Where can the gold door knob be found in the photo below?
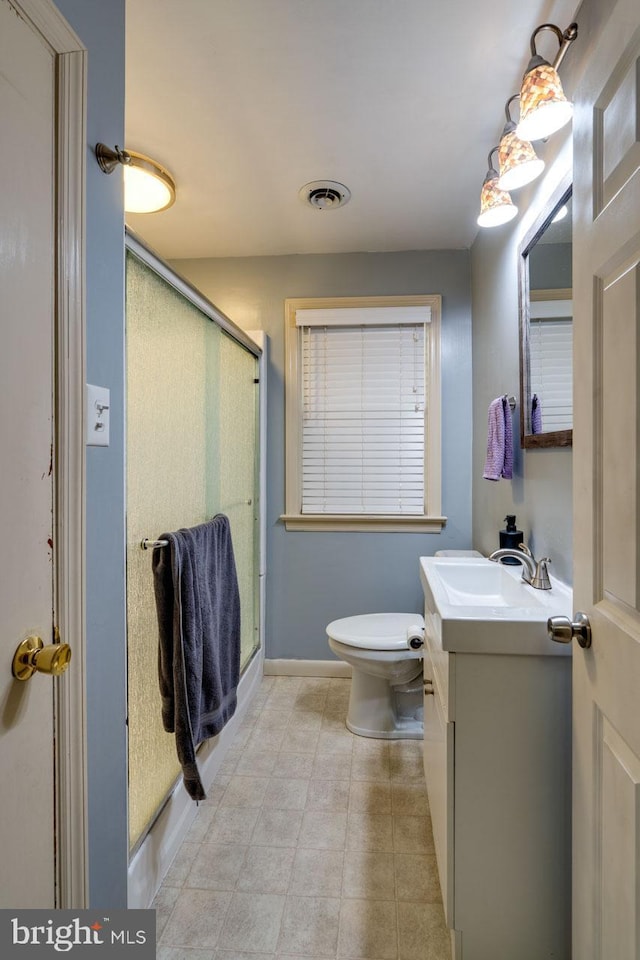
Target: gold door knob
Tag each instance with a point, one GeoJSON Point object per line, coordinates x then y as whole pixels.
{"type": "Point", "coordinates": [33, 656]}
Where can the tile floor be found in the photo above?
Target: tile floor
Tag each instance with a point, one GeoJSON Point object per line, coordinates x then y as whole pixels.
{"type": "Point", "coordinates": [312, 843]}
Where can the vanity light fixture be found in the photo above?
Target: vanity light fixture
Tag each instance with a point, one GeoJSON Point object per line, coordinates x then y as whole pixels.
{"type": "Point", "coordinates": [148, 186]}
{"type": "Point", "coordinates": [543, 105]}
{"type": "Point", "coordinates": [517, 158]}
{"type": "Point", "coordinates": [543, 110]}
{"type": "Point", "coordinates": [496, 206]}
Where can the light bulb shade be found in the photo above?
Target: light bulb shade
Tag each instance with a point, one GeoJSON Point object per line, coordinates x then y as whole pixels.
{"type": "Point", "coordinates": [518, 162]}
{"type": "Point", "coordinates": [148, 186]}
{"type": "Point", "coordinates": [543, 105]}
{"type": "Point", "coordinates": [496, 206]}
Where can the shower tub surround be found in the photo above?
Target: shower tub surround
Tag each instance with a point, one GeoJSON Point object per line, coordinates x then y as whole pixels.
{"type": "Point", "coordinates": [313, 842]}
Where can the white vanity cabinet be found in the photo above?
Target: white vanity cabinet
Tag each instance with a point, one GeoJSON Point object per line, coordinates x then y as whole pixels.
{"type": "Point", "coordinates": [497, 755]}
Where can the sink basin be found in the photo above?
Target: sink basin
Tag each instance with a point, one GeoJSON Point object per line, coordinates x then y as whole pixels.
{"type": "Point", "coordinates": [475, 604]}
{"type": "Point", "coordinates": [483, 583]}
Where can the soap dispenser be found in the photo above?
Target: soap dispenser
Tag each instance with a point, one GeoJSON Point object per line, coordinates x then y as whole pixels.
{"type": "Point", "coordinates": [510, 538]}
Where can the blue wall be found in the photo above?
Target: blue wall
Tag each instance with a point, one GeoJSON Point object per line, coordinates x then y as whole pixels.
{"type": "Point", "coordinates": [100, 26]}
{"type": "Point", "coordinates": [315, 577]}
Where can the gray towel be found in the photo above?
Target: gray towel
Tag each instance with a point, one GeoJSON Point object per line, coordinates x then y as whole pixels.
{"type": "Point", "coordinates": [198, 606]}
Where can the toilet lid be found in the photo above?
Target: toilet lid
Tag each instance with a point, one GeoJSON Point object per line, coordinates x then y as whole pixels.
{"type": "Point", "coordinates": [375, 631]}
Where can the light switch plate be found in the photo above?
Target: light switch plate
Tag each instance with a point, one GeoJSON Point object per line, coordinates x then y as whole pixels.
{"type": "Point", "coordinates": [97, 415]}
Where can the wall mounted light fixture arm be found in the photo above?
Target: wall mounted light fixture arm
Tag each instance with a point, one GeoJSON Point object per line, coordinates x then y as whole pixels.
{"type": "Point", "coordinates": [507, 111]}
{"type": "Point", "coordinates": [568, 37]}
{"type": "Point", "coordinates": [109, 159]}
{"type": "Point", "coordinates": [564, 39]}
{"type": "Point", "coordinates": [491, 170]}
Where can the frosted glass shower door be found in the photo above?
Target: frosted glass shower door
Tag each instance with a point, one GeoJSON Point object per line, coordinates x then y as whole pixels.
{"type": "Point", "coordinates": [233, 473]}
{"type": "Point", "coordinates": [192, 452]}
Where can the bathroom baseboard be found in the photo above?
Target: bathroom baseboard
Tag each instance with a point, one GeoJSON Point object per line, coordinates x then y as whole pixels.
{"type": "Point", "coordinates": [151, 861]}
{"type": "Point", "coordinates": [306, 668]}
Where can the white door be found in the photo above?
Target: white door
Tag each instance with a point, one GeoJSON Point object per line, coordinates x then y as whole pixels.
{"type": "Point", "coordinates": [36, 545]}
{"type": "Point", "coordinates": [606, 677]}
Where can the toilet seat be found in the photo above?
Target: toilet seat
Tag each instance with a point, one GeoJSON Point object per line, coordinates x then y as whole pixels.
{"type": "Point", "coordinates": [374, 631]}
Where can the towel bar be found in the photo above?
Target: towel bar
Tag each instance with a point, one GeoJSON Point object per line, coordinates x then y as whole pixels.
{"type": "Point", "coordinates": [147, 544]}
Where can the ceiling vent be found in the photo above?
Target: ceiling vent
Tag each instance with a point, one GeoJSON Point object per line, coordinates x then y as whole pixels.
{"type": "Point", "coordinates": [325, 194]}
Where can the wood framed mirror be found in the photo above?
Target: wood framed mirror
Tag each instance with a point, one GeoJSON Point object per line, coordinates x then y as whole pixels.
{"type": "Point", "coordinates": [546, 317]}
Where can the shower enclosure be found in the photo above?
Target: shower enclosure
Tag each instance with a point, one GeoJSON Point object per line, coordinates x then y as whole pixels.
{"type": "Point", "coordinates": [192, 452]}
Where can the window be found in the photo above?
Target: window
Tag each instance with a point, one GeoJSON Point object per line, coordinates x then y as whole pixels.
{"type": "Point", "coordinates": [363, 414]}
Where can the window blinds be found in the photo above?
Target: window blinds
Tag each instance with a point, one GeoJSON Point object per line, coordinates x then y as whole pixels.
{"type": "Point", "coordinates": [363, 422]}
{"type": "Point", "coordinates": [550, 373]}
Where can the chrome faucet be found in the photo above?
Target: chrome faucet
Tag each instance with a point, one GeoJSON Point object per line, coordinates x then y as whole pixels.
{"type": "Point", "coordinates": [534, 572]}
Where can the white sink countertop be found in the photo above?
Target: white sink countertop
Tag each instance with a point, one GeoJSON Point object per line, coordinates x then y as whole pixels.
{"type": "Point", "coordinates": [475, 605]}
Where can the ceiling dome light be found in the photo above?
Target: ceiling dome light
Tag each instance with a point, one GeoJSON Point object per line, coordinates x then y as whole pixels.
{"type": "Point", "coordinates": [496, 206]}
{"type": "Point", "coordinates": [516, 158]}
{"type": "Point", "coordinates": [543, 105]}
{"type": "Point", "coordinates": [148, 186]}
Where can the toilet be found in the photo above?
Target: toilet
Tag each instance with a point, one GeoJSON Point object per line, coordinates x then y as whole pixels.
{"type": "Point", "coordinates": [386, 699]}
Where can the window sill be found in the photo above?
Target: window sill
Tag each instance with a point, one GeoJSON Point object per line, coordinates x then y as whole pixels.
{"type": "Point", "coordinates": [363, 524]}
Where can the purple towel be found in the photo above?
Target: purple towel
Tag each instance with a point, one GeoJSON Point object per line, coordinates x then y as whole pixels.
{"type": "Point", "coordinates": [499, 462]}
{"type": "Point", "coordinates": [536, 414]}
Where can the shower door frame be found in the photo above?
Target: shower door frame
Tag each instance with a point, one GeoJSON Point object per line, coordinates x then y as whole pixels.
{"type": "Point", "coordinates": [134, 244]}
{"type": "Point", "coordinates": [152, 856]}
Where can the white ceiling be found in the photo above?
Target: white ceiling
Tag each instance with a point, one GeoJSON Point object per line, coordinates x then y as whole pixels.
{"type": "Point", "coordinates": [247, 100]}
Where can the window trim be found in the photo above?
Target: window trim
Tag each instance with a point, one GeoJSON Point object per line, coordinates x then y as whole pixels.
{"type": "Point", "coordinates": [431, 520]}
